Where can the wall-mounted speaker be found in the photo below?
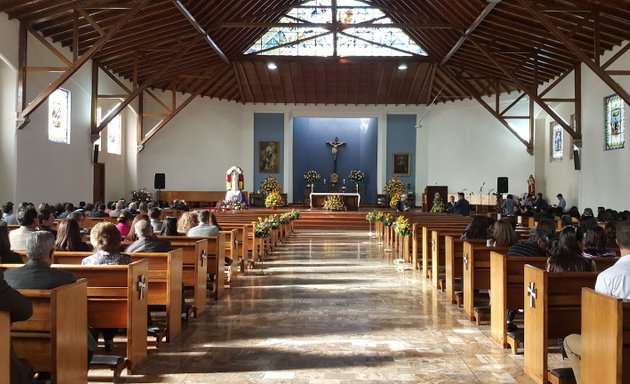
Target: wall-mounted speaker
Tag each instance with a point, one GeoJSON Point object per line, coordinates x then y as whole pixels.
{"type": "Point", "coordinates": [502, 185]}
{"type": "Point", "coordinates": [576, 160]}
{"type": "Point", "coordinates": [159, 181]}
{"type": "Point", "coordinates": [95, 156]}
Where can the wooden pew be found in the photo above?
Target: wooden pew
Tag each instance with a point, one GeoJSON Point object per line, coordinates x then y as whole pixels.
{"type": "Point", "coordinates": [438, 253]}
{"type": "Point", "coordinates": [164, 282]}
{"type": "Point", "coordinates": [194, 267]}
{"type": "Point", "coordinates": [231, 251]}
{"type": "Point", "coordinates": [454, 263]}
{"type": "Point", "coordinates": [476, 273]}
{"type": "Point", "coordinates": [552, 310]}
{"type": "Point", "coordinates": [605, 344]}
{"type": "Point", "coordinates": [216, 261]}
{"type": "Point", "coordinates": [5, 347]}
{"type": "Point", "coordinates": [54, 339]}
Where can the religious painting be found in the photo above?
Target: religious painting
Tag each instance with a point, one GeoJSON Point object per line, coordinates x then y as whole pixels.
{"type": "Point", "coordinates": [401, 164]}
{"type": "Point", "coordinates": [59, 116]}
{"type": "Point", "coordinates": [614, 131]}
{"type": "Point", "coordinates": [557, 141]}
{"type": "Point", "coordinates": [269, 157]}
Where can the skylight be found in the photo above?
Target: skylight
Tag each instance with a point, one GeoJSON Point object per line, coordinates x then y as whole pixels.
{"type": "Point", "coordinates": [356, 29]}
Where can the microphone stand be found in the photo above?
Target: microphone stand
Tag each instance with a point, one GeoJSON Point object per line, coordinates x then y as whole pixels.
{"type": "Point", "coordinates": [481, 195]}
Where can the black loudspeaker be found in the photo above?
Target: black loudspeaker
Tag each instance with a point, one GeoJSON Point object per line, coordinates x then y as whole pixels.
{"type": "Point", "coordinates": [96, 150]}
{"type": "Point", "coordinates": [502, 185]}
{"type": "Point", "coordinates": [159, 182]}
{"type": "Point", "coordinates": [576, 160]}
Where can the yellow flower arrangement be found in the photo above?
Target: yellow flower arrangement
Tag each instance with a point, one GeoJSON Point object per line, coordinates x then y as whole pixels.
{"type": "Point", "coordinates": [273, 200]}
{"type": "Point", "coordinates": [334, 203]}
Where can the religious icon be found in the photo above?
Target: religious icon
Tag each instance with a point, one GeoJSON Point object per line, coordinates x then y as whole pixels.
{"type": "Point", "coordinates": [557, 141]}
{"type": "Point", "coordinates": [615, 121]}
{"type": "Point", "coordinates": [531, 185]}
{"type": "Point", "coordinates": [335, 144]}
{"type": "Point", "coordinates": [269, 157]}
{"type": "Point", "coordinates": [401, 164]}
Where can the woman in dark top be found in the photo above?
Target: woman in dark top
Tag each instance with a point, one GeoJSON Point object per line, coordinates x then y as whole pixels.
{"type": "Point", "coordinates": [504, 234]}
{"type": "Point", "coordinates": [477, 229]}
{"type": "Point", "coordinates": [169, 227]}
{"type": "Point", "coordinates": [69, 237]}
{"type": "Point", "coordinates": [7, 256]}
{"type": "Point", "coordinates": [595, 244]}
{"type": "Point", "coordinates": [213, 221]}
{"type": "Point", "coordinates": [567, 255]}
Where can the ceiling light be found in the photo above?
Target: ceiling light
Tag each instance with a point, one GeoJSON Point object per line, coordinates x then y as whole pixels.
{"type": "Point", "coordinates": [272, 66]}
{"type": "Point", "coordinates": [402, 66]}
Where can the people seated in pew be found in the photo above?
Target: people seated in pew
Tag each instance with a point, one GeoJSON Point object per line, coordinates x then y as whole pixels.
{"type": "Point", "coordinates": [451, 204]}
{"type": "Point", "coordinates": [69, 237]}
{"type": "Point", "coordinates": [46, 220]}
{"type": "Point", "coordinates": [124, 223]}
{"type": "Point", "coordinates": [106, 239]}
{"type": "Point", "coordinates": [204, 228]}
{"type": "Point", "coordinates": [118, 209]}
{"type": "Point", "coordinates": [100, 211]}
{"type": "Point", "coordinates": [186, 221]}
{"type": "Point", "coordinates": [179, 205]}
{"type": "Point", "coordinates": [401, 204]}
{"type": "Point", "coordinates": [461, 206]}
{"type": "Point", "coordinates": [27, 218]}
{"type": "Point", "coordinates": [587, 221]}
{"type": "Point", "coordinates": [132, 208]}
{"type": "Point", "coordinates": [507, 206]}
{"type": "Point", "coordinates": [566, 256]}
{"type": "Point", "coordinates": [7, 214]}
{"type": "Point", "coordinates": [79, 216]}
{"type": "Point", "coordinates": [131, 236]}
{"type": "Point", "coordinates": [154, 215]}
{"type": "Point", "coordinates": [503, 233]}
{"type": "Point", "coordinates": [169, 227]}
{"type": "Point", "coordinates": [540, 204]}
{"type": "Point", "coordinates": [143, 209]}
{"type": "Point", "coordinates": [7, 256]}
{"type": "Point", "coordinates": [611, 237]}
{"type": "Point", "coordinates": [19, 309]}
{"type": "Point", "coordinates": [536, 245]}
{"type": "Point", "coordinates": [37, 274]}
{"type": "Point", "coordinates": [147, 241]}
{"type": "Point", "coordinates": [614, 281]}
{"type": "Point", "coordinates": [68, 208]}
{"type": "Point", "coordinates": [594, 244]}
{"type": "Point", "coordinates": [574, 213]}
{"type": "Point", "coordinates": [477, 229]}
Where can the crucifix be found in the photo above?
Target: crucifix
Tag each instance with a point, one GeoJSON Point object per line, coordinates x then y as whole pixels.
{"type": "Point", "coordinates": [204, 257]}
{"type": "Point", "coordinates": [335, 147]}
{"type": "Point", "coordinates": [531, 292]}
{"type": "Point", "coordinates": [466, 261]}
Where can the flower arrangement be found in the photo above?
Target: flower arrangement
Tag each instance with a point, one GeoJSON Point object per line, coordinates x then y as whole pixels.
{"type": "Point", "coordinates": [334, 203]}
{"type": "Point", "coordinates": [373, 216]}
{"type": "Point", "coordinates": [402, 227]}
{"type": "Point", "coordinates": [285, 218]}
{"type": "Point", "coordinates": [356, 176]}
{"type": "Point", "coordinates": [394, 188]}
{"type": "Point", "coordinates": [229, 181]}
{"type": "Point", "coordinates": [273, 221]}
{"type": "Point", "coordinates": [141, 196]}
{"type": "Point", "coordinates": [262, 228]}
{"type": "Point", "coordinates": [294, 214]}
{"type": "Point", "coordinates": [228, 204]}
{"type": "Point", "coordinates": [312, 176]}
{"type": "Point", "coordinates": [387, 219]}
{"type": "Point", "coordinates": [270, 184]}
{"type": "Point", "coordinates": [438, 204]}
{"type": "Point", "coordinates": [273, 200]}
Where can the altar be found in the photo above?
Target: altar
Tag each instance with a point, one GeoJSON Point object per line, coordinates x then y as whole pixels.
{"type": "Point", "coordinates": [352, 201]}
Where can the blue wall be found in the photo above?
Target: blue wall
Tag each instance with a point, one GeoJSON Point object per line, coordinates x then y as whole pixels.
{"type": "Point", "coordinates": [268, 127]}
{"type": "Point", "coordinates": [401, 138]}
{"type": "Point", "coordinates": [310, 151]}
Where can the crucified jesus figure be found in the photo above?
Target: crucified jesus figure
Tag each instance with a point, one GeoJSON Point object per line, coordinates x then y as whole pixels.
{"type": "Point", "coordinates": [335, 144]}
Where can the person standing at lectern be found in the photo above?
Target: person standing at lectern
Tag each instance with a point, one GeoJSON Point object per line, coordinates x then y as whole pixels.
{"type": "Point", "coordinates": [461, 206]}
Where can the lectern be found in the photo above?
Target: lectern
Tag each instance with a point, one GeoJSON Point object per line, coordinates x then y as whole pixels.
{"type": "Point", "coordinates": [429, 192]}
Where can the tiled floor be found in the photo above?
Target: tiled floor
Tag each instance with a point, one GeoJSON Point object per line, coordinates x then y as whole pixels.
{"type": "Point", "coordinates": [331, 308]}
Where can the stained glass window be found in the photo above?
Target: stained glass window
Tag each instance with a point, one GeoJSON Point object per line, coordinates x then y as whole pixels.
{"type": "Point", "coordinates": [114, 136]}
{"type": "Point", "coordinates": [557, 142]}
{"type": "Point", "coordinates": [100, 134]}
{"type": "Point", "coordinates": [356, 27]}
{"type": "Point", "coordinates": [59, 116]}
{"type": "Point", "coordinates": [614, 123]}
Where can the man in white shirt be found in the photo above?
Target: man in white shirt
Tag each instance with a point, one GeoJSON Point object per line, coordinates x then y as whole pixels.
{"type": "Point", "coordinates": [29, 222]}
{"type": "Point", "coordinates": [615, 281]}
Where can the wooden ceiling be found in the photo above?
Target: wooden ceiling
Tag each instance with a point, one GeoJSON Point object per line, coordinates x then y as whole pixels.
{"type": "Point", "coordinates": [474, 47]}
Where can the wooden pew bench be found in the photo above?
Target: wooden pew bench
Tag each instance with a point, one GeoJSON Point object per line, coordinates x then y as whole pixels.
{"type": "Point", "coordinates": [605, 344]}
{"type": "Point", "coordinates": [54, 339]}
{"type": "Point", "coordinates": [215, 261]}
{"type": "Point", "coordinates": [476, 275]}
{"type": "Point", "coordinates": [5, 347]}
{"type": "Point", "coordinates": [164, 282]}
{"type": "Point", "coordinates": [454, 265]}
{"type": "Point", "coordinates": [438, 255]}
{"type": "Point", "coordinates": [552, 310]}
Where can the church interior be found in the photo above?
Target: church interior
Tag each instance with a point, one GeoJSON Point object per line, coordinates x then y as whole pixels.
{"type": "Point", "coordinates": [100, 99]}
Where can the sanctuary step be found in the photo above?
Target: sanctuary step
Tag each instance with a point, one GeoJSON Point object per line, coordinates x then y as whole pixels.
{"type": "Point", "coordinates": [332, 220]}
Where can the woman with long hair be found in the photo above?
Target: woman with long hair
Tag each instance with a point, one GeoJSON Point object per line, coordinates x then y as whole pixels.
{"type": "Point", "coordinates": [595, 244]}
{"type": "Point", "coordinates": [477, 229]}
{"type": "Point", "coordinates": [187, 221]}
{"type": "Point", "coordinates": [124, 223]}
{"type": "Point", "coordinates": [567, 255]}
{"type": "Point", "coordinates": [69, 237]}
{"type": "Point", "coordinates": [169, 227]}
{"type": "Point", "coordinates": [504, 233]}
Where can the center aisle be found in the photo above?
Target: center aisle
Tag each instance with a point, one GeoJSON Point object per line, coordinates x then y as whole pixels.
{"type": "Point", "coordinates": [331, 308]}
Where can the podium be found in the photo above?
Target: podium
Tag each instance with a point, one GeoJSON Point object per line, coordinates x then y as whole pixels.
{"type": "Point", "coordinates": [429, 192]}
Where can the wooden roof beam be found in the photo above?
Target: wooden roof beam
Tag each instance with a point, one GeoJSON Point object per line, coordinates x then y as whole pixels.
{"type": "Point", "coordinates": [191, 19]}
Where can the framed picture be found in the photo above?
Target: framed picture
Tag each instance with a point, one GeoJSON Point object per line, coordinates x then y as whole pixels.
{"type": "Point", "coordinates": [401, 164]}
{"type": "Point", "coordinates": [269, 157]}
